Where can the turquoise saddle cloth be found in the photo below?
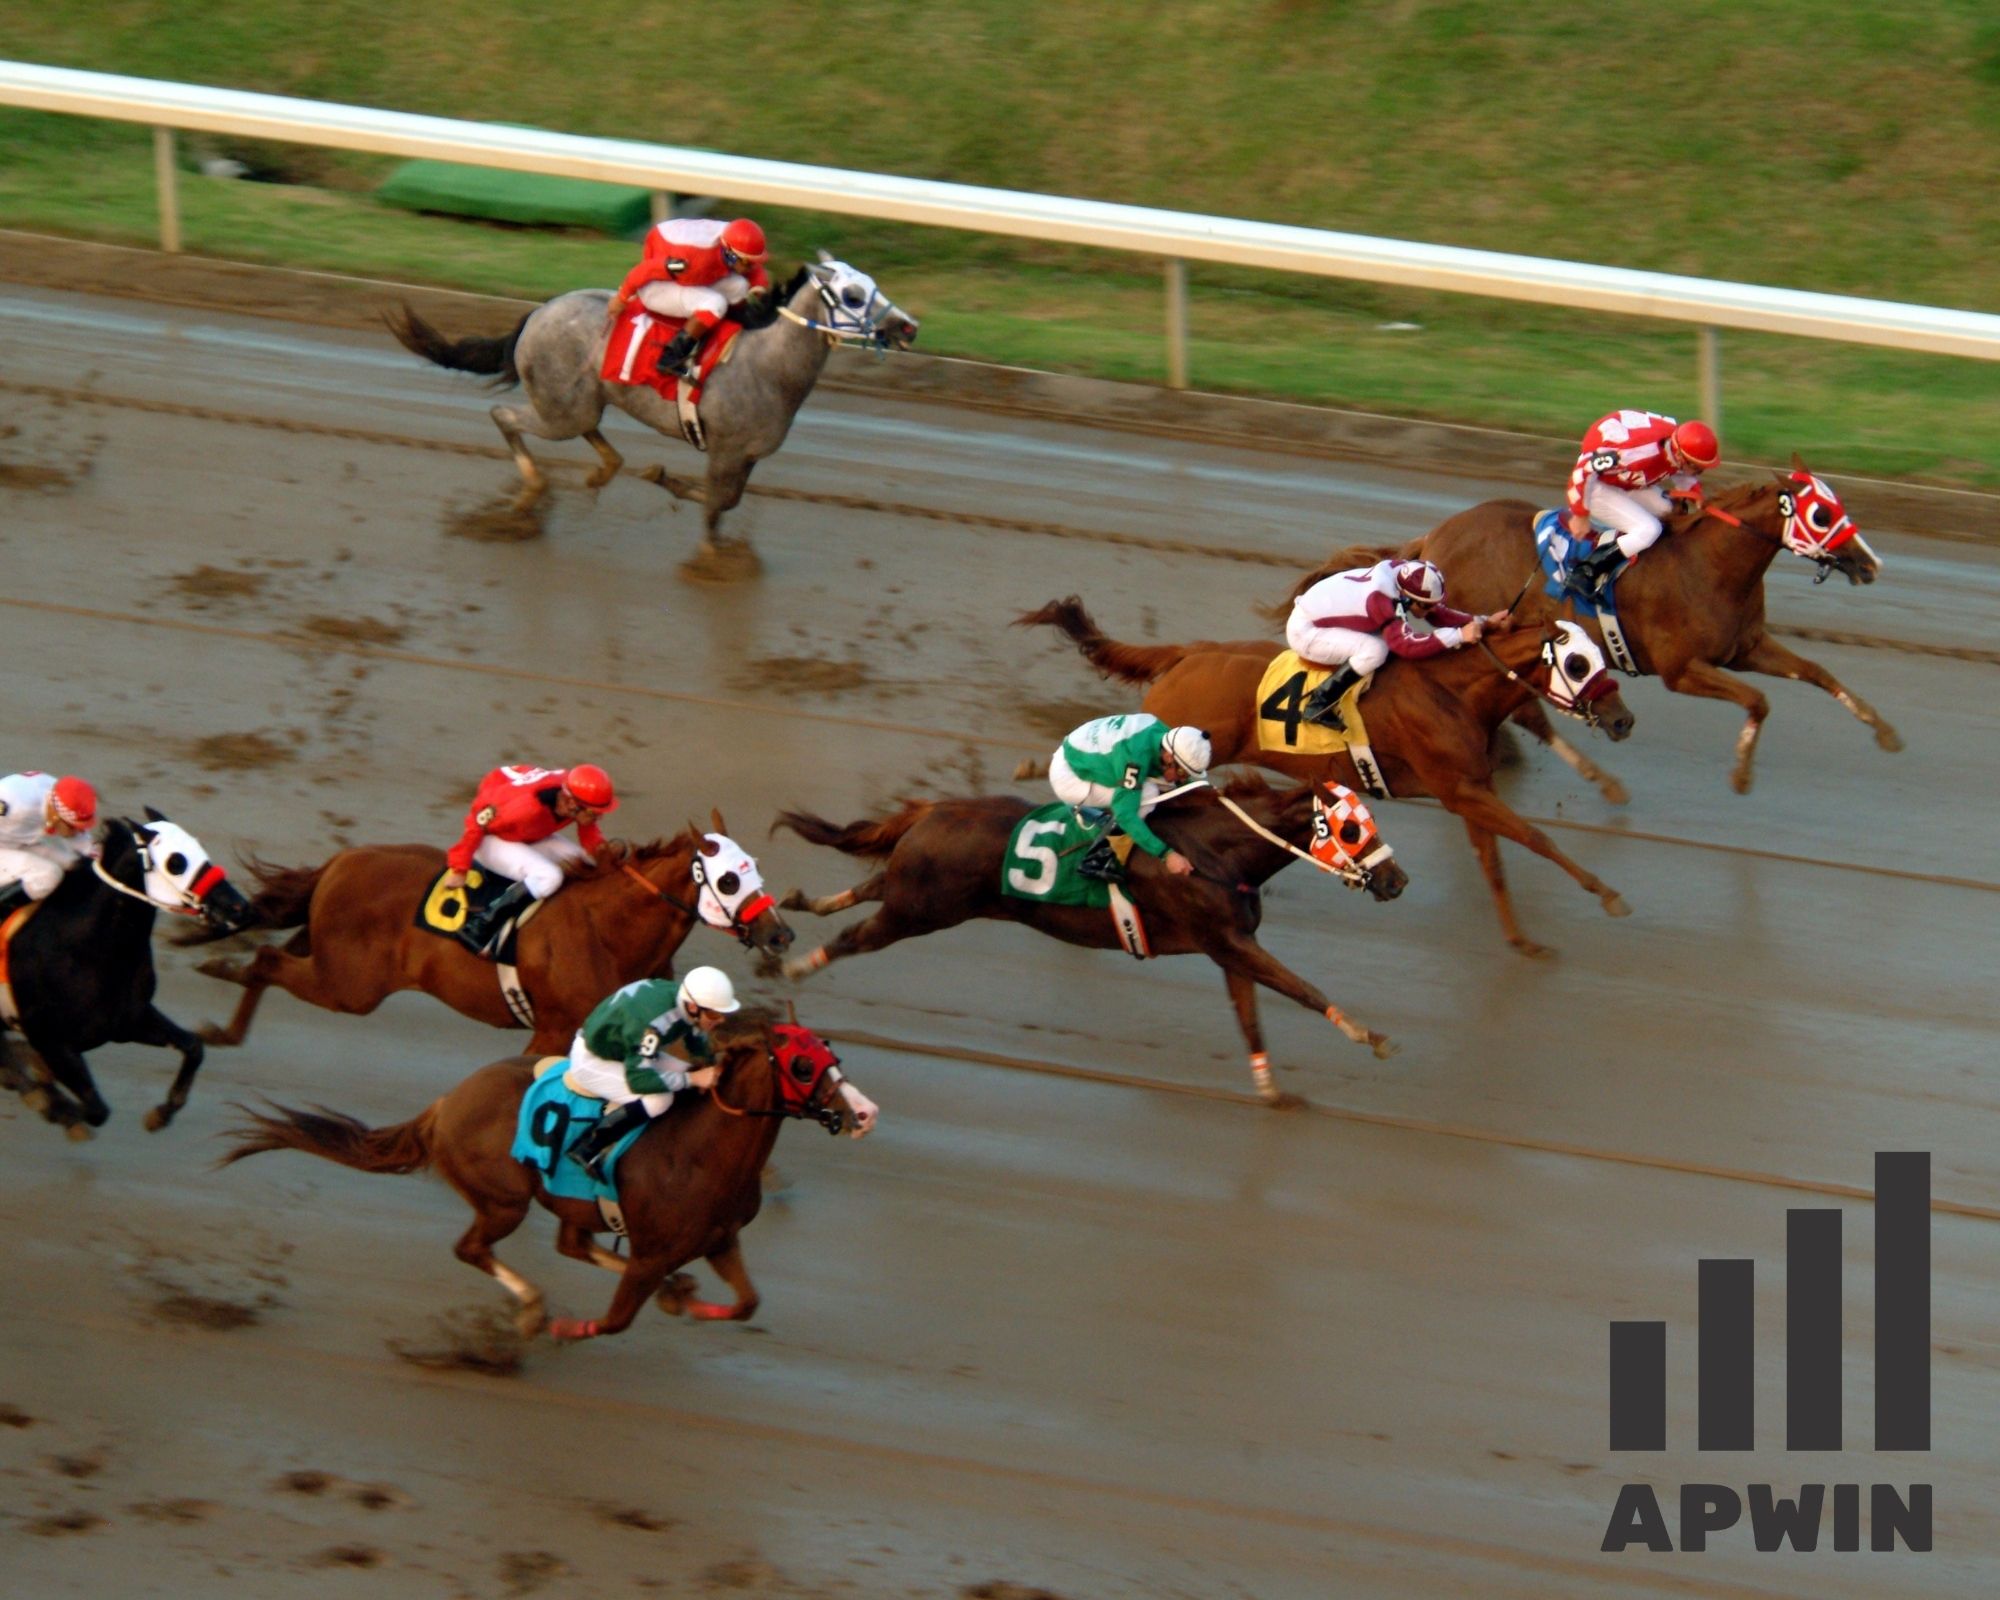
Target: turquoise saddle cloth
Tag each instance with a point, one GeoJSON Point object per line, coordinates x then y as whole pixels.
{"type": "Point", "coordinates": [553, 1117]}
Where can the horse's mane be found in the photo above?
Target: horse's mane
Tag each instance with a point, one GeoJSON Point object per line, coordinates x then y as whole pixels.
{"type": "Point", "coordinates": [755, 314]}
{"type": "Point", "coordinates": [626, 853]}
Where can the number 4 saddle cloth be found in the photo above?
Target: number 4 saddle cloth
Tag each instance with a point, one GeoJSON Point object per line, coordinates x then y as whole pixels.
{"type": "Point", "coordinates": [1282, 726]}
{"type": "Point", "coordinates": [553, 1117]}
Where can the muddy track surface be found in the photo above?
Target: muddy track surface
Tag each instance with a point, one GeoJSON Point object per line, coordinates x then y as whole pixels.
{"type": "Point", "coordinates": [1081, 1319]}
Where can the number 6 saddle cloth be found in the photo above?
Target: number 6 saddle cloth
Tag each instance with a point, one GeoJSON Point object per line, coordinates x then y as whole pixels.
{"type": "Point", "coordinates": [1282, 725]}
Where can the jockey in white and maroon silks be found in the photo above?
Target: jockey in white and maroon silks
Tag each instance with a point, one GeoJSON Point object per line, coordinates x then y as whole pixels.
{"type": "Point", "coordinates": [1630, 465]}
{"type": "Point", "coordinates": [514, 828]}
{"type": "Point", "coordinates": [697, 268]}
{"type": "Point", "coordinates": [1355, 620]}
{"type": "Point", "coordinates": [45, 827]}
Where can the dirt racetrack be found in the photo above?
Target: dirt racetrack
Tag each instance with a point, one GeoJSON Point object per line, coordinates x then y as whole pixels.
{"type": "Point", "coordinates": [1079, 1319]}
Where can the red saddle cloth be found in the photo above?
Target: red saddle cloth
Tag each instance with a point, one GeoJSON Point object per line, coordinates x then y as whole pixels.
{"type": "Point", "coordinates": [632, 354]}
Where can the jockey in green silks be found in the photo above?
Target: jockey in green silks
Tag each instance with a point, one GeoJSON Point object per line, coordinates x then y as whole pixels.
{"type": "Point", "coordinates": [1125, 763]}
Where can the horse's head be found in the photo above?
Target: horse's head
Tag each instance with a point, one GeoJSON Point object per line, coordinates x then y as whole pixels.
{"type": "Point", "coordinates": [730, 894]}
{"type": "Point", "coordinates": [1345, 838]}
{"type": "Point", "coordinates": [176, 874]}
{"type": "Point", "coordinates": [1578, 683]}
{"type": "Point", "coordinates": [1816, 525]}
{"type": "Point", "coordinates": [786, 1070]}
{"type": "Point", "coordinates": [857, 309]}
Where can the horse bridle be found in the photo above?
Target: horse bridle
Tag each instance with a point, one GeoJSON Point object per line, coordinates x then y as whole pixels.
{"type": "Point", "coordinates": [1584, 711]}
{"type": "Point", "coordinates": [737, 925]}
{"type": "Point", "coordinates": [862, 328]}
{"type": "Point", "coordinates": [191, 903]}
{"type": "Point", "coordinates": [824, 1107]}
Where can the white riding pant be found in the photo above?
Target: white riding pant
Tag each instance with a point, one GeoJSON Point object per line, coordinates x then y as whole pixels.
{"type": "Point", "coordinates": [1074, 791]}
{"type": "Point", "coordinates": [591, 1074]}
{"type": "Point", "coordinates": [685, 299]}
{"type": "Point", "coordinates": [1635, 513]}
{"type": "Point", "coordinates": [538, 865]}
{"type": "Point", "coordinates": [1335, 647]}
{"type": "Point", "coordinates": [39, 871]}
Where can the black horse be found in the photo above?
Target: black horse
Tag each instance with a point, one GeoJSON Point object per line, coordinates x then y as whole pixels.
{"type": "Point", "coordinates": [81, 967]}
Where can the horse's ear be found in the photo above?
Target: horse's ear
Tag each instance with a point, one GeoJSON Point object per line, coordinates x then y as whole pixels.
{"type": "Point", "coordinates": [702, 842]}
{"type": "Point", "coordinates": [715, 816]}
{"type": "Point", "coordinates": [792, 1011]}
{"type": "Point", "coordinates": [1800, 466]}
{"type": "Point", "coordinates": [825, 257]}
{"type": "Point", "coordinates": [155, 816]}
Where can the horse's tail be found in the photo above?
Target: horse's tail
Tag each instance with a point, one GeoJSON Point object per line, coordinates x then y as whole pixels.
{"type": "Point", "coordinates": [401, 1147]}
{"type": "Point", "coordinates": [1355, 555]}
{"type": "Point", "coordinates": [493, 358]}
{"type": "Point", "coordinates": [1133, 663]}
{"type": "Point", "coordinates": [283, 900]}
{"type": "Point", "coordinates": [857, 838]}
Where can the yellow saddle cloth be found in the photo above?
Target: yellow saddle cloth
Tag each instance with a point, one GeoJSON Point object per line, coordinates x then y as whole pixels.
{"type": "Point", "coordinates": [1281, 721]}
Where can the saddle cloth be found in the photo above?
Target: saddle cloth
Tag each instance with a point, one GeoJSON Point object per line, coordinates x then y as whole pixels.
{"type": "Point", "coordinates": [632, 354]}
{"type": "Point", "coordinates": [1282, 725]}
{"type": "Point", "coordinates": [1558, 551]}
{"type": "Point", "coordinates": [553, 1117]}
{"type": "Point", "coordinates": [9, 1012]}
{"type": "Point", "coordinates": [444, 911]}
{"type": "Point", "coordinates": [1044, 853]}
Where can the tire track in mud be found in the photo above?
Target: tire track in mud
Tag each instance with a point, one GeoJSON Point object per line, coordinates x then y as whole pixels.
{"type": "Point", "coordinates": [954, 738]}
{"type": "Point", "coordinates": [689, 489]}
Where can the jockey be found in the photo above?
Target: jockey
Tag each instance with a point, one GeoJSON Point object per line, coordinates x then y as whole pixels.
{"type": "Point", "coordinates": [697, 268]}
{"type": "Point", "coordinates": [1631, 465]}
{"type": "Point", "coordinates": [514, 829]}
{"type": "Point", "coordinates": [616, 1056]}
{"type": "Point", "coordinates": [1124, 762]}
{"type": "Point", "coordinates": [45, 827]}
{"type": "Point", "coordinates": [1355, 620]}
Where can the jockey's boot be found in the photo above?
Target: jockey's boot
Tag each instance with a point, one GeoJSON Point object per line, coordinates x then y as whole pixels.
{"type": "Point", "coordinates": [589, 1151]}
{"type": "Point", "coordinates": [12, 897]}
{"type": "Point", "coordinates": [678, 356]}
{"type": "Point", "coordinates": [482, 925]}
{"type": "Point", "coordinates": [1322, 706]}
{"type": "Point", "coordinates": [1590, 573]}
{"type": "Point", "coordinates": [1103, 861]}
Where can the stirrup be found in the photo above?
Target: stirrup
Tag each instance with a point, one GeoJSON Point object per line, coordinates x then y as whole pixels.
{"type": "Point", "coordinates": [1100, 862]}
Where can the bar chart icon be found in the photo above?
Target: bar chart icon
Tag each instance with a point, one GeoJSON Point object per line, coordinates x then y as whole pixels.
{"type": "Point", "coordinates": [1726, 1333]}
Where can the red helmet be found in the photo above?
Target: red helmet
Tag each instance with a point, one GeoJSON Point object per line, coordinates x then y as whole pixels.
{"type": "Point", "coordinates": [1695, 444]}
{"type": "Point", "coordinates": [1419, 580]}
{"type": "Point", "coordinates": [74, 801]}
{"type": "Point", "coordinates": [744, 238]}
{"type": "Point", "coordinates": [590, 786]}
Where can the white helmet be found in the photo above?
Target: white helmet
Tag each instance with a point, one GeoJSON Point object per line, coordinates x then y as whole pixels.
{"type": "Point", "coordinates": [1189, 747]}
{"type": "Point", "coordinates": [709, 988]}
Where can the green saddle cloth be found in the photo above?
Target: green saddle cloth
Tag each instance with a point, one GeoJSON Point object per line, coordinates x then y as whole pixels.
{"type": "Point", "coordinates": [1043, 854]}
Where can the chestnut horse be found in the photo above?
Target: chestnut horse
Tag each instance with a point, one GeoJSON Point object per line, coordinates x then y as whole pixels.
{"type": "Point", "coordinates": [1690, 607]}
{"type": "Point", "coordinates": [358, 940]}
{"type": "Point", "coordinates": [945, 859]}
{"type": "Point", "coordinates": [688, 1186]}
{"type": "Point", "coordinates": [1430, 723]}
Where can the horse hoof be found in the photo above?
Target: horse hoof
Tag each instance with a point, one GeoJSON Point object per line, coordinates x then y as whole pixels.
{"type": "Point", "coordinates": [1615, 792]}
{"type": "Point", "coordinates": [1285, 1100]}
{"type": "Point", "coordinates": [79, 1133]}
{"type": "Point", "coordinates": [218, 967]}
{"type": "Point", "coordinates": [38, 1101]}
{"type": "Point", "coordinates": [795, 901]}
{"type": "Point", "coordinates": [1887, 738]}
{"type": "Point", "coordinates": [157, 1118]}
{"type": "Point", "coordinates": [1536, 952]}
{"type": "Point", "coordinates": [1385, 1046]}
{"type": "Point", "coordinates": [530, 1320]}
{"type": "Point", "coordinates": [722, 562]}
{"type": "Point", "coordinates": [1739, 780]}
{"type": "Point", "coordinates": [1615, 906]}
{"type": "Point", "coordinates": [709, 1311]}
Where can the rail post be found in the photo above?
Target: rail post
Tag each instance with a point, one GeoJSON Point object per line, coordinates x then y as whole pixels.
{"type": "Point", "coordinates": [166, 179]}
{"type": "Point", "coordinates": [1710, 373]}
{"type": "Point", "coordinates": [1177, 362]}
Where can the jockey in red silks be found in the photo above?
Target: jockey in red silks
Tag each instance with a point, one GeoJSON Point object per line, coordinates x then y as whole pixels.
{"type": "Point", "coordinates": [514, 829]}
{"type": "Point", "coordinates": [45, 825]}
{"type": "Point", "coordinates": [1631, 465]}
{"type": "Point", "coordinates": [1356, 620]}
{"type": "Point", "coordinates": [697, 268]}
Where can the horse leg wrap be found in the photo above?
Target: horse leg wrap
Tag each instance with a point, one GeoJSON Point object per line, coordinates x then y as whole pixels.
{"type": "Point", "coordinates": [1335, 1015]}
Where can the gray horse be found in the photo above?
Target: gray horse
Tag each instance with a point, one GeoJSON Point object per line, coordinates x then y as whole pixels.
{"type": "Point", "coordinates": [747, 406]}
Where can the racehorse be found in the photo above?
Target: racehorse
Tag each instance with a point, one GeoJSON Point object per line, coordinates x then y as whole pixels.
{"type": "Point", "coordinates": [82, 965]}
{"type": "Point", "coordinates": [945, 859]}
{"type": "Point", "coordinates": [557, 352]}
{"type": "Point", "coordinates": [358, 940]}
{"type": "Point", "coordinates": [688, 1186]}
{"type": "Point", "coordinates": [1430, 723]}
{"type": "Point", "coordinates": [1692, 605]}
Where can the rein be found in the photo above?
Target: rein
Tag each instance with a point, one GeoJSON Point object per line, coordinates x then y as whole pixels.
{"type": "Point", "coordinates": [833, 334]}
{"type": "Point", "coordinates": [715, 1094]}
{"type": "Point", "coordinates": [140, 895]}
{"type": "Point", "coordinates": [1529, 684]}
{"type": "Point", "coordinates": [1269, 837]}
{"type": "Point", "coordinates": [741, 930]}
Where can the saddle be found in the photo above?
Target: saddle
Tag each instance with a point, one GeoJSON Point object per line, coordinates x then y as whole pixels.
{"type": "Point", "coordinates": [1282, 724]}
{"type": "Point", "coordinates": [1043, 861]}
{"type": "Point", "coordinates": [1559, 551]}
{"type": "Point", "coordinates": [632, 353]}
{"type": "Point", "coordinates": [9, 1011]}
